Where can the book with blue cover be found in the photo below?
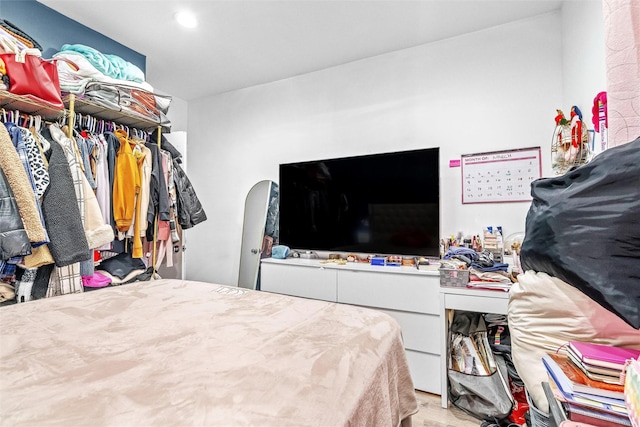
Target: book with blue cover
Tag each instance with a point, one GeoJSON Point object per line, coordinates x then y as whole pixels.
{"type": "Point", "coordinates": [584, 407]}
{"type": "Point", "coordinates": [571, 380]}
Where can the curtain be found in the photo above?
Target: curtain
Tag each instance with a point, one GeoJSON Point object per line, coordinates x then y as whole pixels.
{"type": "Point", "coordinates": [622, 52]}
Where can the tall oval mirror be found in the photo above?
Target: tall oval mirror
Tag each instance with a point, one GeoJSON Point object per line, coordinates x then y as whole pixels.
{"type": "Point", "coordinates": [259, 231]}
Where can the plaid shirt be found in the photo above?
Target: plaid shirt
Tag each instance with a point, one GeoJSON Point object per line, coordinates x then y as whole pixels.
{"type": "Point", "coordinates": [65, 280]}
{"type": "Point", "coordinates": [8, 269]}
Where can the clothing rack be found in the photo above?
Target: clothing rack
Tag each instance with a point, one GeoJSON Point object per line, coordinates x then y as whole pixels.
{"type": "Point", "coordinates": [24, 106]}
{"type": "Point", "coordinates": [101, 113]}
{"type": "Point", "coordinates": [19, 118]}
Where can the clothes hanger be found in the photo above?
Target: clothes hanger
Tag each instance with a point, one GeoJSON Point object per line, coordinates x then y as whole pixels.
{"type": "Point", "coordinates": [62, 120]}
{"type": "Point", "coordinates": [78, 121]}
{"type": "Point", "coordinates": [86, 125]}
{"type": "Point", "coordinates": [37, 123]}
{"type": "Point", "coordinates": [139, 134]}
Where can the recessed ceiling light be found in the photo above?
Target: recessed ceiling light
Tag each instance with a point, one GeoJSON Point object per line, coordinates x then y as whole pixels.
{"type": "Point", "coordinates": [186, 19]}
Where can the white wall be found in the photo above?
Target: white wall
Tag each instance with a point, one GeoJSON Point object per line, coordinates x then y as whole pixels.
{"type": "Point", "coordinates": [178, 114]}
{"type": "Point", "coordinates": [583, 60]}
{"type": "Point", "coordinates": [491, 90]}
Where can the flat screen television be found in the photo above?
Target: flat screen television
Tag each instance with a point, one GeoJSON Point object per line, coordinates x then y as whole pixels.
{"type": "Point", "coordinates": [385, 204]}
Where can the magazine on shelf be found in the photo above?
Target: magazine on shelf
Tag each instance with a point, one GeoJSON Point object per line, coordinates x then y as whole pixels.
{"type": "Point", "coordinates": [472, 354]}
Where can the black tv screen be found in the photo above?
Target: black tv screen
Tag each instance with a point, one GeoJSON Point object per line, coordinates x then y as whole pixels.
{"type": "Point", "coordinates": [385, 204]}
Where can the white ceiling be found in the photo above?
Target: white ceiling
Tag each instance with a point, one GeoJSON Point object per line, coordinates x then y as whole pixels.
{"type": "Point", "coordinates": [242, 43]}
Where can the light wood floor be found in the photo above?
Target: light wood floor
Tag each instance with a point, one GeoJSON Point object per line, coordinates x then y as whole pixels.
{"type": "Point", "coordinates": [432, 414]}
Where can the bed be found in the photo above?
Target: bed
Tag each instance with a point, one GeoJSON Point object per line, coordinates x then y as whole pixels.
{"type": "Point", "coordinates": [187, 353]}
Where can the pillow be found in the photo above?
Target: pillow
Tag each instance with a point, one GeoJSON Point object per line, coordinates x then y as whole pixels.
{"type": "Point", "coordinates": [546, 313]}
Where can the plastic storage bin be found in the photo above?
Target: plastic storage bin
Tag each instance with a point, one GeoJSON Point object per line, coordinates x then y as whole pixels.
{"type": "Point", "coordinates": [538, 418]}
{"type": "Point", "coordinates": [454, 277]}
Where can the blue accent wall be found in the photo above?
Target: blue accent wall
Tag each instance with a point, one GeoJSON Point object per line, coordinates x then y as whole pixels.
{"type": "Point", "coordinates": [52, 29]}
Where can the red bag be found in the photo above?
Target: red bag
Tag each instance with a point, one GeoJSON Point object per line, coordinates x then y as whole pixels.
{"type": "Point", "coordinates": [33, 77]}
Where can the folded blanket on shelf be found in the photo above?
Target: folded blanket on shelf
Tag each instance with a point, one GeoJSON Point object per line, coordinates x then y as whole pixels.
{"type": "Point", "coordinates": [79, 75]}
{"type": "Point", "coordinates": [108, 64]}
{"type": "Point", "coordinates": [75, 71]}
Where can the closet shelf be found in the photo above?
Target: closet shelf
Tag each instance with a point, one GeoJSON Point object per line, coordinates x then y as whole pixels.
{"type": "Point", "coordinates": [26, 105]}
{"type": "Point", "coordinates": [84, 106]}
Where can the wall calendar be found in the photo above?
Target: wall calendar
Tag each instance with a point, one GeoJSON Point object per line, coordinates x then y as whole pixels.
{"type": "Point", "coordinates": [500, 176]}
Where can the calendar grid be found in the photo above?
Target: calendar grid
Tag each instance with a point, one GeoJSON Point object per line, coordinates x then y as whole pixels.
{"type": "Point", "coordinates": [500, 176]}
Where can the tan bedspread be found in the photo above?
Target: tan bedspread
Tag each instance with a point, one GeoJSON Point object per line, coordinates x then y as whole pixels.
{"type": "Point", "coordinates": [184, 353]}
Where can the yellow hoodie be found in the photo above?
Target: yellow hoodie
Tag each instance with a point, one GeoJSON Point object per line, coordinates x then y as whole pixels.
{"type": "Point", "coordinates": [126, 188]}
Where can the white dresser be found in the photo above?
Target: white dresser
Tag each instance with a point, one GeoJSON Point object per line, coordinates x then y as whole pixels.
{"type": "Point", "coordinates": [405, 293]}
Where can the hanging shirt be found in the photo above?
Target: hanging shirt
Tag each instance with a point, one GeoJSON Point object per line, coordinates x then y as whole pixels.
{"type": "Point", "coordinates": [39, 172]}
{"type": "Point", "coordinates": [13, 132]}
{"type": "Point", "coordinates": [126, 183]}
{"type": "Point", "coordinates": [126, 189]}
{"type": "Point", "coordinates": [103, 184]}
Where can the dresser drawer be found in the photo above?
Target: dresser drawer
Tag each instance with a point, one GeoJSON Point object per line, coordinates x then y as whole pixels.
{"type": "Point", "coordinates": [425, 371]}
{"type": "Point", "coordinates": [420, 332]}
{"type": "Point", "coordinates": [403, 292]}
{"type": "Point", "coordinates": [307, 282]}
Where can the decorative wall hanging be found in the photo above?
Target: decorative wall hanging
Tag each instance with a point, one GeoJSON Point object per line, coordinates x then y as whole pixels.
{"type": "Point", "coordinates": [570, 143]}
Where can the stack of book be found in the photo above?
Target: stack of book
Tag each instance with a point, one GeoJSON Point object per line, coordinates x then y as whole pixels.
{"type": "Point", "coordinates": [600, 362]}
{"type": "Point", "coordinates": [588, 383]}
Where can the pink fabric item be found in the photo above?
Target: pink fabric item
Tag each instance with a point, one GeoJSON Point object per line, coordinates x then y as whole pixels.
{"type": "Point", "coordinates": [622, 38]}
{"type": "Point", "coordinates": [164, 230]}
{"type": "Point", "coordinates": [98, 280]}
{"type": "Point", "coordinates": [595, 110]}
